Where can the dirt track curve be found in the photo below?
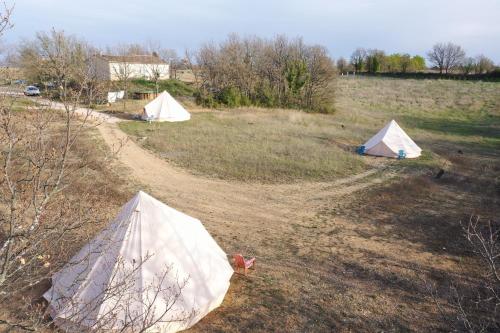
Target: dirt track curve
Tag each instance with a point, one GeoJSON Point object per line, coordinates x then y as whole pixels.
{"type": "Point", "coordinates": [220, 202]}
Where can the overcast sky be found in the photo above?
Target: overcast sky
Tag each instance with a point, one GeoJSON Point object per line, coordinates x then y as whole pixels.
{"type": "Point", "coordinates": [411, 26]}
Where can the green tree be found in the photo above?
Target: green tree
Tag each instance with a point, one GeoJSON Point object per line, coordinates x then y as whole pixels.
{"type": "Point", "coordinates": [375, 60]}
{"type": "Point", "coordinates": [417, 63]}
{"type": "Point", "coordinates": [405, 63]}
{"type": "Point", "coordinates": [393, 63]}
{"type": "Point", "coordinates": [296, 75]}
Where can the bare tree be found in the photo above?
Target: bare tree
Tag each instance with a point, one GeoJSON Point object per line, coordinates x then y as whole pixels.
{"type": "Point", "coordinates": [476, 301]}
{"type": "Point", "coordinates": [160, 68]}
{"type": "Point", "coordinates": [123, 69]}
{"type": "Point", "coordinates": [156, 71]}
{"type": "Point", "coordinates": [5, 14]}
{"type": "Point", "coordinates": [446, 56]}
{"type": "Point", "coordinates": [483, 64]}
{"type": "Point", "coordinates": [468, 65]}
{"type": "Point", "coordinates": [358, 59]}
{"type": "Point", "coordinates": [319, 91]}
{"type": "Point", "coordinates": [277, 72]}
{"type": "Point", "coordinates": [36, 167]}
{"type": "Point", "coordinates": [190, 62]}
{"type": "Point", "coordinates": [170, 57]}
{"type": "Point", "coordinates": [342, 65]}
{"type": "Point", "coordinates": [38, 218]}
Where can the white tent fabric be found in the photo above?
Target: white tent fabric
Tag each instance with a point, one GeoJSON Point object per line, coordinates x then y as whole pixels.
{"type": "Point", "coordinates": [114, 95]}
{"type": "Point", "coordinates": [165, 108]}
{"type": "Point", "coordinates": [117, 275]}
{"type": "Point", "coordinates": [390, 140]}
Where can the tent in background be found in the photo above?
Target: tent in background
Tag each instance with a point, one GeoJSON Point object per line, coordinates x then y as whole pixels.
{"type": "Point", "coordinates": [389, 141]}
{"type": "Point", "coordinates": [165, 108]}
{"type": "Point", "coordinates": [117, 275]}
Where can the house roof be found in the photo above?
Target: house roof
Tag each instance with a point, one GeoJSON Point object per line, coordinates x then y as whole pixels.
{"type": "Point", "coordinates": [134, 59]}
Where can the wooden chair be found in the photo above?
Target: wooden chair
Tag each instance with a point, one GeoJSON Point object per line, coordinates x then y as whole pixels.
{"type": "Point", "coordinates": [241, 262]}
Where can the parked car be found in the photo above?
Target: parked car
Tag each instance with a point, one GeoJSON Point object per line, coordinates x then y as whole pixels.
{"type": "Point", "coordinates": [32, 91]}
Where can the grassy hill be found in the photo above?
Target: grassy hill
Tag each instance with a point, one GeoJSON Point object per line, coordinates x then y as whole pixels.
{"type": "Point", "coordinates": [287, 145]}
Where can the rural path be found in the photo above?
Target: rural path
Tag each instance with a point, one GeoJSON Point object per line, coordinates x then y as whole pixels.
{"type": "Point", "coordinates": [200, 196]}
{"type": "Point", "coordinates": [229, 204]}
{"type": "Point", "coordinates": [227, 207]}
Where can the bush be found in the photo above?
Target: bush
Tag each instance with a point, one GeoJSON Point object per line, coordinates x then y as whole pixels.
{"type": "Point", "coordinates": [230, 96]}
{"type": "Point", "coordinates": [265, 96]}
{"type": "Point", "coordinates": [206, 99]}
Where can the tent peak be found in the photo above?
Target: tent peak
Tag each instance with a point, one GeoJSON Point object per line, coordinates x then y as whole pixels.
{"type": "Point", "coordinates": [142, 194]}
{"type": "Point", "coordinates": [165, 108]}
{"type": "Point", "coordinates": [390, 141]}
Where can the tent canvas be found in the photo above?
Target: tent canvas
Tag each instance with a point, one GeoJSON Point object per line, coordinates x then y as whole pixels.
{"type": "Point", "coordinates": [165, 108]}
{"type": "Point", "coordinates": [390, 140]}
{"type": "Point", "coordinates": [116, 276]}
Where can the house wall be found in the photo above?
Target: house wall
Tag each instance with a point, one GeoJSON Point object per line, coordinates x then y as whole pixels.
{"type": "Point", "coordinates": [137, 71]}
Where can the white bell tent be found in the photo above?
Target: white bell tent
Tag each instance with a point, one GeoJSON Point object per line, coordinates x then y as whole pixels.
{"type": "Point", "coordinates": [165, 108]}
{"type": "Point", "coordinates": [390, 140]}
{"type": "Point", "coordinates": [153, 264]}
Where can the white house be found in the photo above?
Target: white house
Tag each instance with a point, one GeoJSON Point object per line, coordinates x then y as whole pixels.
{"type": "Point", "coordinates": [113, 68]}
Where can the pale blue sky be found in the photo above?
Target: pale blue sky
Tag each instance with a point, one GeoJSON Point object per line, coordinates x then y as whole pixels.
{"type": "Point", "coordinates": [341, 25]}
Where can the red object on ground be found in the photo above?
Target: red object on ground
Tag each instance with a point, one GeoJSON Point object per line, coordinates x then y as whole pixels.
{"type": "Point", "coordinates": [241, 262]}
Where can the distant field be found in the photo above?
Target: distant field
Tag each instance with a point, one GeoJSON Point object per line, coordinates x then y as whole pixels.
{"type": "Point", "coordinates": [438, 114]}
{"type": "Point", "coordinates": [288, 145]}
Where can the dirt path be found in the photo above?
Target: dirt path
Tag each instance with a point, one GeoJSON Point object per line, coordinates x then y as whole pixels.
{"type": "Point", "coordinates": [218, 200]}
{"type": "Point", "coordinates": [204, 197]}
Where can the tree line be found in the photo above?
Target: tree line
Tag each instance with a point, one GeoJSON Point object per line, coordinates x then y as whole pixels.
{"type": "Point", "coordinates": [277, 72]}
{"type": "Point", "coordinates": [448, 57]}
{"type": "Point", "coordinates": [375, 60]}
{"type": "Point", "coordinates": [444, 57]}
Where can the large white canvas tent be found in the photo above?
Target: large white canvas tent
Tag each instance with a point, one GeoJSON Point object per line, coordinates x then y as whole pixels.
{"type": "Point", "coordinates": [390, 140]}
{"type": "Point", "coordinates": [165, 108]}
{"type": "Point", "coordinates": [153, 263]}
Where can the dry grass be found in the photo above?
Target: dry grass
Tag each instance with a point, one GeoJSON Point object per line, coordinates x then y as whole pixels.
{"type": "Point", "coordinates": [248, 145]}
{"type": "Point", "coordinates": [286, 145]}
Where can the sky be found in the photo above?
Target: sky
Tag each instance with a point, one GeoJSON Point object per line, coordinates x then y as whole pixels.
{"type": "Point", "coordinates": [341, 25]}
